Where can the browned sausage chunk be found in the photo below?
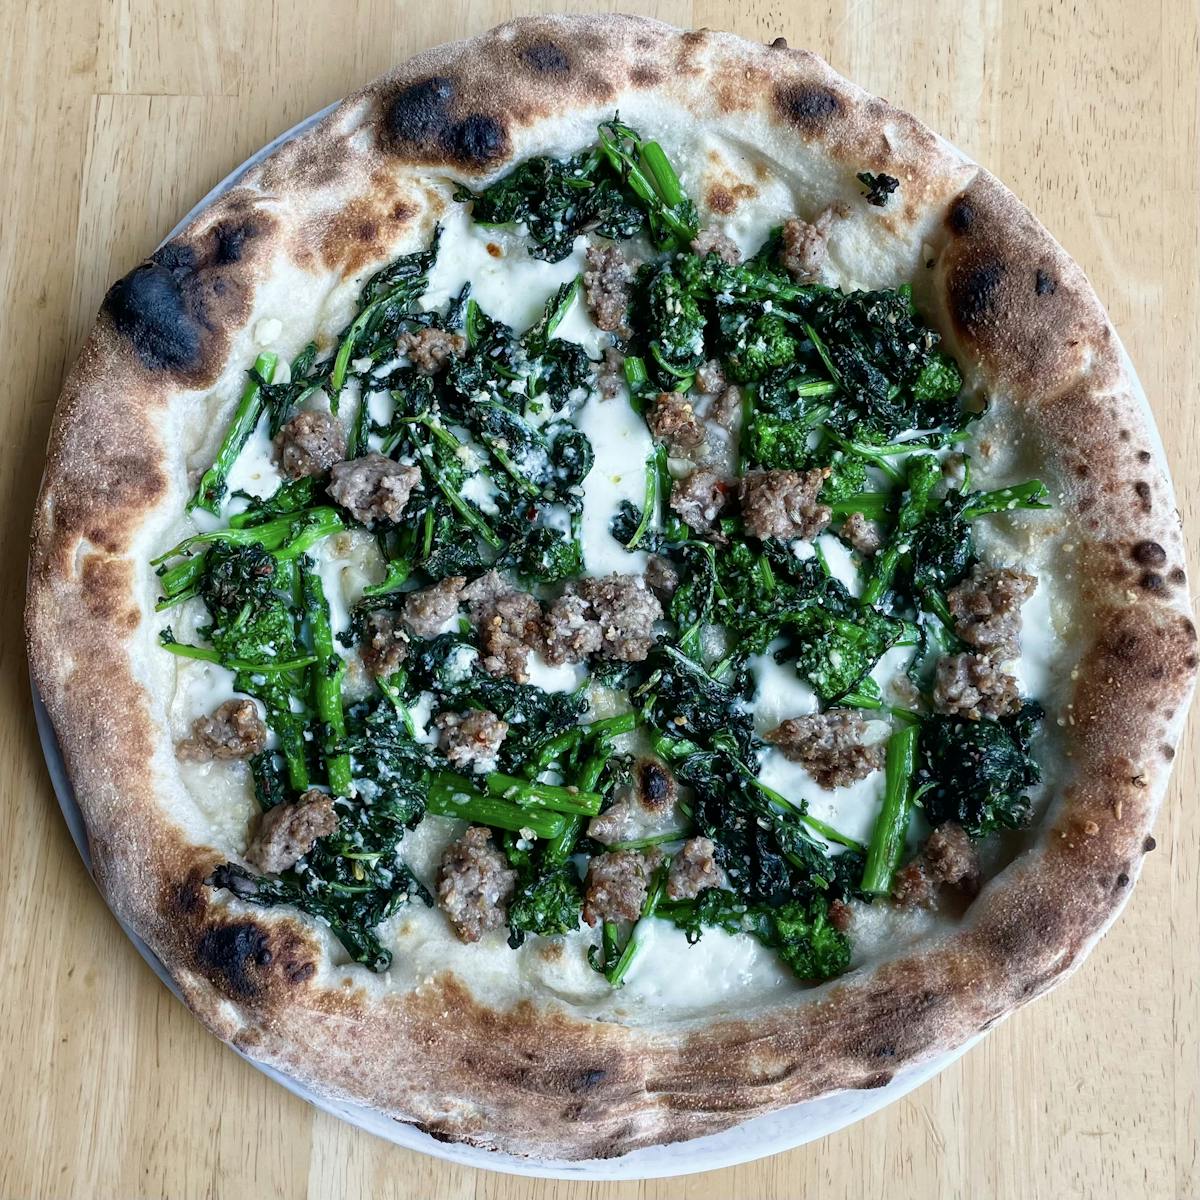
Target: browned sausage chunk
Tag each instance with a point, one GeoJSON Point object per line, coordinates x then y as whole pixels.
{"type": "Point", "coordinates": [475, 884]}
{"type": "Point", "coordinates": [672, 420]}
{"type": "Point", "coordinates": [987, 609]}
{"type": "Point", "coordinates": [712, 241]}
{"type": "Point", "coordinates": [783, 504]}
{"type": "Point", "coordinates": [471, 739]}
{"type": "Point", "coordinates": [374, 487]}
{"type": "Point", "coordinates": [613, 617]}
{"type": "Point", "coordinates": [384, 645]}
{"type": "Point", "coordinates": [972, 686]}
{"type": "Point", "coordinates": [616, 886]}
{"type": "Point", "coordinates": [947, 860]}
{"type": "Point", "coordinates": [235, 730]}
{"type": "Point", "coordinates": [803, 246]}
{"type": "Point", "coordinates": [693, 869]}
{"type": "Point", "coordinates": [509, 622]}
{"type": "Point", "coordinates": [862, 534]}
{"type": "Point", "coordinates": [700, 497]}
{"type": "Point", "coordinates": [287, 832]}
{"type": "Point", "coordinates": [610, 375]}
{"type": "Point", "coordinates": [606, 286]}
{"type": "Point", "coordinates": [429, 350]}
{"type": "Point", "coordinates": [309, 444]}
{"type": "Point", "coordinates": [427, 611]}
{"type": "Point", "coordinates": [830, 746]}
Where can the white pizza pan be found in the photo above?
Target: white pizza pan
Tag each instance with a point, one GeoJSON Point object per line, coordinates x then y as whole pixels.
{"type": "Point", "coordinates": [757, 1138]}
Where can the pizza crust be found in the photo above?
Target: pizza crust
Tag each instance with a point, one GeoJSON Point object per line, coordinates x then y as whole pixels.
{"type": "Point", "coordinates": [533, 1080]}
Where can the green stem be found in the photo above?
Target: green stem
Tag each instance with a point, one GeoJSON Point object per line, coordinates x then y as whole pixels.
{"type": "Point", "coordinates": [459, 504]}
{"type": "Point", "coordinates": [327, 683]}
{"type": "Point", "coordinates": [616, 976]}
{"type": "Point", "coordinates": [891, 827]}
{"type": "Point", "coordinates": [449, 798]}
{"type": "Point", "coordinates": [569, 800]}
{"type": "Point", "coordinates": [211, 487]}
{"type": "Point", "coordinates": [206, 654]}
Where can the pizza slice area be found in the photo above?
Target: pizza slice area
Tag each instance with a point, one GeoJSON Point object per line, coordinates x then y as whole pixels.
{"type": "Point", "coordinates": [615, 580]}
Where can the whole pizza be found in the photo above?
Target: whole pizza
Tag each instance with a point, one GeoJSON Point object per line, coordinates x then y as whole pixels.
{"type": "Point", "coordinates": [613, 584]}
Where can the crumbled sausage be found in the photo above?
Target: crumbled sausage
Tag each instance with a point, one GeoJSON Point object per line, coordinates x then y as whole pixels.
{"type": "Point", "coordinates": [951, 857]}
{"type": "Point", "coordinates": [475, 884]}
{"type": "Point", "coordinates": [616, 886]}
{"type": "Point", "coordinates": [947, 860]}
{"type": "Point", "coordinates": [427, 611]}
{"type": "Point", "coordinates": [309, 444]}
{"type": "Point", "coordinates": [384, 645]}
{"type": "Point", "coordinates": [613, 617]}
{"type": "Point", "coordinates": [973, 686]}
{"type": "Point", "coordinates": [699, 498]}
{"type": "Point", "coordinates": [831, 746]}
{"type": "Point", "coordinates": [662, 578]}
{"type": "Point", "coordinates": [841, 915]}
{"type": "Point", "coordinates": [235, 730]}
{"type": "Point", "coordinates": [429, 349]}
{"type": "Point", "coordinates": [912, 887]}
{"type": "Point", "coordinates": [509, 623]}
{"type": "Point", "coordinates": [987, 609]}
{"type": "Point", "coordinates": [373, 487]}
{"type": "Point", "coordinates": [693, 869]}
{"type": "Point", "coordinates": [610, 375]}
{"type": "Point", "coordinates": [606, 287]}
{"type": "Point", "coordinates": [803, 246]}
{"type": "Point", "coordinates": [710, 377]}
{"type": "Point", "coordinates": [862, 534]}
{"type": "Point", "coordinates": [471, 739]}
{"type": "Point", "coordinates": [783, 504]}
{"type": "Point", "coordinates": [712, 241]}
{"type": "Point", "coordinates": [673, 420]}
{"type": "Point", "coordinates": [287, 832]}
{"type": "Point", "coordinates": [572, 633]}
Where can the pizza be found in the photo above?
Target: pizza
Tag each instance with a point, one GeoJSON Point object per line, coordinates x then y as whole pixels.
{"type": "Point", "coordinates": [613, 584]}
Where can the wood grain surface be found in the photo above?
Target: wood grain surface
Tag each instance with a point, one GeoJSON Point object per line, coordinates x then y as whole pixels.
{"type": "Point", "coordinates": [115, 117]}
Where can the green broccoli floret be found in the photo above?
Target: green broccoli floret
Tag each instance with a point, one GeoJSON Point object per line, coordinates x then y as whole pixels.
{"type": "Point", "coordinates": [548, 903]}
{"type": "Point", "coordinates": [808, 942]}
{"type": "Point", "coordinates": [756, 343]}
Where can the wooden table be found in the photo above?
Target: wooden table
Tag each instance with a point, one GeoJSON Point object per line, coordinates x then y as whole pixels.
{"type": "Point", "coordinates": [116, 117]}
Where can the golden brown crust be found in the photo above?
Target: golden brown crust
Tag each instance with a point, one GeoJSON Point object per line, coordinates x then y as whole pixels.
{"type": "Point", "coordinates": [1016, 310]}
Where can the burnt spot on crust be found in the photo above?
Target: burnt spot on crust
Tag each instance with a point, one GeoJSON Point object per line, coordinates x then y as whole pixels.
{"type": "Point", "coordinates": [173, 307]}
{"type": "Point", "coordinates": [961, 216]}
{"type": "Point", "coordinates": [1178, 576]}
{"type": "Point", "coordinates": [1044, 284]}
{"type": "Point", "coordinates": [1142, 490]}
{"type": "Point", "coordinates": [546, 57]}
{"type": "Point", "coordinates": [1149, 844]}
{"type": "Point", "coordinates": [1151, 581]}
{"type": "Point", "coordinates": [588, 1079]}
{"type": "Point", "coordinates": [808, 106]}
{"type": "Point", "coordinates": [422, 120]}
{"type": "Point", "coordinates": [973, 296]}
{"type": "Point", "coordinates": [148, 308]}
{"type": "Point", "coordinates": [1122, 880]}
{"type": "Point", "coordinates": [1148, 554]}
{"type": "Point", "coordinates": [233, 956]}
{"type": "Point", "coordinates": [780, 43]}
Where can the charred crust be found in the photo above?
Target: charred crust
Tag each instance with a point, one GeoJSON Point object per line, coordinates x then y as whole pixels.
{"type": "Point", "coordinates": [961, 216]}
{"type": "Point", "coordinates": [1151, 581]}
{"type": "Point", "coordinates": [174, 308]}
{"type": "Point", "coordinates": [421, 121]}
{"type": "Point", "coordinates": [1149, 844]}
{"type": "Point", "coordinates": [1148, 554]}
{"type": "Point", "coordinates": [1044, 284]}
{"type": "Point", "coordinates": [233, 956]}
{"type": "Point", "coordinates": [808, 106]}
{"type": "Point", "coordinates": [973, 294]}
{"type": "Point", "coordinates": [1141, 489]}
{"type": "Point", "coordinates": [1122, 880]}
{"type": "Point", "coordinates": [546, 57]}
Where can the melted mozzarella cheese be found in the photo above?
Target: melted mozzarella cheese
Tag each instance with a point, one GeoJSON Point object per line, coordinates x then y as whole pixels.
{"type": "Point", "coordinates": [621, 443]}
